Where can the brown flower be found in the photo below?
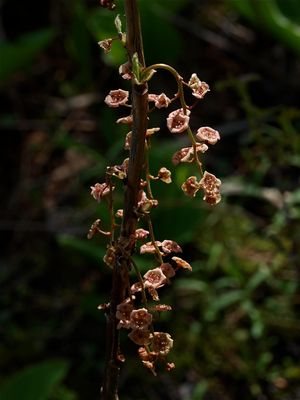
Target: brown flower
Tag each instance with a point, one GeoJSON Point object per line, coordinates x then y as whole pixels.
{"type": "Point", "coordinates": [116, 98]}
{"type": "Point", "coordinates": [186, 154]}
{"type": "Point", "coordinates": [106, 45]}
{"type": "Point", "coordinates": [178, 121]}
{"type": "Point", "coordinates": [140, 319]}
{"type": "Point", "coordinates": [199, 88]}
{"type": "Point", "coordinates": [149, 248]}
{"type": "Point", "coordinates": [191, 186]}
{"type": "Point", "coordinates": [140, 336]}
{"type": "Point", "coordinates": [180, 263]}
{"type": "Point", "coordinates": [162, 343]}
{"type": "Point", "coordinates": [125, 71]}
{"type": "Point", "coordinates": [164, 175]}
{"type": "Point", "coordinates": [141, 233]}
{"type": "Point", "coordinates": [167, 270]}
{"type": "Point", "coordinates": [123, 314]}
{"type": "Point", "coordinates": [125, 120]}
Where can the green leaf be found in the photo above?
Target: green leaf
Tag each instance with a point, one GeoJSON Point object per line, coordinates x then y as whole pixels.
{"type": "Point", "coordinates": [34, 382]}
{"type": "Point", "coordinates": [83, 246]}
{"type": "Point", "coordinates": [21, 53]}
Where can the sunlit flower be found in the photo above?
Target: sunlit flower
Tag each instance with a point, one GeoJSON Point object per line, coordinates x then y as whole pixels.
{"type": "Point", "coordinates": [169, 246]}
{"type": "Point", "coordinates": [160, 100]}
{"type": "Point", "coordinates": [167, 270]}
{"type": "Point", "coordinates": [140, 319]}
{"type": "Point", "coordinates": [180, 263]}
{"type": "Point", "coordinates": [145, 204]}
{"type": "Point", "coordinates": [141, 233]}
{"type": "Point", "coordinates": [116, 98]}
{"type": "Point", "coordinates": [149, 248]}
{"type": "Point", "coordinates": [191, 186]}
{"type": "Point", "coordinates": [136, 287]}
{"type": "Point", "coordinates": [186, 154]}
{"type": "Point", "coordinates": [162, 343]}
{"type": "Point", "coordinates": [164, 175]}
{"type": "Point", "coordinates": [155, 278]}
{"type": "Point", "coordinates": [210, 182]}
{"type": "Point", "coordinates": [178, 121]}
{"type": "Point", "coordinates": [208, 134]}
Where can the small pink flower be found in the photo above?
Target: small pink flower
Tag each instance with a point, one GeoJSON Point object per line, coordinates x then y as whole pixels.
{"type": "Point", "coordinates": [140, 336]}
{"type": "Point", "coordinates": [199, 88]}
{"type": "Point", "coordinates": [155, 278]}
{"type": "Point", "coordinates": [191, 186]}
{"type": "Point", "coordinates": [141, 233]}
{"type": "Point", "coordinates": [167, 270]}
{"type": "Point", "coordinates": [149, 248]}
{"type": "Point", "coordinates": [208, 134]}
{"type": "Point", "coordinates": [140, 319]}
{"type": "Point", "coordinates": [106, 45]}
{"type": "Point", "coordinates": [116, 98]}
{"type": "Point", "coordinates": [100, 190]}
{"type": "Point", "coordinates": [164, 175]}
{"type": "Point", "coordinates": [186, 154]}
{"type": "Point", "coordinates": [160, 100]}
{"type": "Point", "coordinates": [125, 71]}
{"type": "Point", "coordinates": [178, 121]}
{"type": "Point", "coordinates": [169, 246]}
{"type": "Point", "coordinates": [162, 343]}
{"type": "Point", "coordinates": [180, 263]}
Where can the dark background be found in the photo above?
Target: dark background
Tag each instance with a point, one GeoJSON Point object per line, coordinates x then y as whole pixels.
{"type": "Point", "coordinates": [235, 319]}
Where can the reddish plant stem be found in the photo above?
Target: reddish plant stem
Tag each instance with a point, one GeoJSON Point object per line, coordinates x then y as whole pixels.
{"type": "Point", "coordinates": [126, 242]}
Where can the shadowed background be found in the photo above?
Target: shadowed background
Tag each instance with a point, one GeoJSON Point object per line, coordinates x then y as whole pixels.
{"type": "Point", "coordinates": [235, 319]}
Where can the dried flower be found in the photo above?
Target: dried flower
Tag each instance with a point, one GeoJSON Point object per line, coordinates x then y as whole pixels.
{"type": "Point", "coordinates": [162, 343]}
{"type": "Point", "coordinates": [100, 190]}
{"type": "Point", "coordinates": [169, 246]}
{"type": "Point", "coordinates": [140, 319]}
{"type": "Point", "coordinates": [106, 45]}
{"type": "Point", "coordinates": [123, 314]}
{"type": "Point", "coordinates": [125, 120]}
{"type": "Point", "coordinates": [116, 98]}
{"type": "Point", "coordinates": [120, 171]}
{"type": "Point", "coordinates": [186, 154]}
{"type": "Point", "coordinates": [141, 233]}
{"type": "Point", "coordinates": [119, 213]}
{"type": "Point", "coordinates": [178, 121]}
{"type": "Point", "coordinates": [208, 134]}
{"type": "Point", "coordinates": [180, 263]}
{"type": "Point", "coordinates": [145, 204]}
{"type": "Point", "coordinates": [210, 182]}
{"type": "Point", "coordinates": [151, 131]}
{"type": "Point", "coordinates": [162, 307]}
{"type": "Point", "coordinates": [149, 248]}
{"type": "Point", "coordinates": [160, 100]}
{"type": "Point", "coordinates": [155, 278]}
{"type": "Point", "coordinates": [140, 336]}
{"type": "Point", "coordinates": [136, 287]}
{"type": "Point", "coordinates": [125, 71]}
{"type": "Point", "coordinates": [164, 175]}
{"type": "Point", "coordinates": [110, 256]}
{"type": "Point", "coordinates": [191, 186]}
{"type": "Point", "coordinates": [95, 228]}
{"type": "Point", "coordinates": [167, 270]}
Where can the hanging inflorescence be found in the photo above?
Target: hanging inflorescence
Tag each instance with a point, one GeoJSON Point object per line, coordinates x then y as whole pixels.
{"type": "Point", "coordinates": [138, 312]}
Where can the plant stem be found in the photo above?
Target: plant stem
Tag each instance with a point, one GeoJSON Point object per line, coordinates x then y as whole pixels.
{"type": "Point", "coordinates": [126, 242]}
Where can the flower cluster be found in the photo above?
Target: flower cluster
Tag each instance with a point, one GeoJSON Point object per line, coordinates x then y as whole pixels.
{"type": "Point", "coordinates": [138, 312]}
